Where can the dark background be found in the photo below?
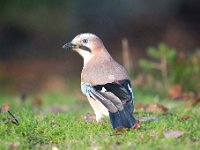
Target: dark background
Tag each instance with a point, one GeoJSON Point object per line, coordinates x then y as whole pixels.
{"type": "Point", "coordinates": [32, 33]}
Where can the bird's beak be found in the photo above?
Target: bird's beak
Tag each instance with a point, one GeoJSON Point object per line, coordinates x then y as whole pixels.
{"type": "Point", "coordinates": [69, 46]}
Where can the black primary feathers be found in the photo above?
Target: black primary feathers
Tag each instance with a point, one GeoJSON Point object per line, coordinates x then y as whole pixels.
{"type": "Point", "coordinates": [118, 99]}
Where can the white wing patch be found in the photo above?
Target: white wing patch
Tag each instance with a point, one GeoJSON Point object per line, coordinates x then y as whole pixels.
{"type": "Point", "coordinates": [130, 89]}
{"type": "Point", "coordinates": [103, 89]}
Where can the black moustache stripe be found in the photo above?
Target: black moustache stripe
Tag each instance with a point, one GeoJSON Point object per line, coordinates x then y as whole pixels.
{"type": "Point", "coordinates": [85, 48]}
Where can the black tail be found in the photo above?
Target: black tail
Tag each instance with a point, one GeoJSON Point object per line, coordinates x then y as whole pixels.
{"type": "Point", "coordinates": [122, 118]}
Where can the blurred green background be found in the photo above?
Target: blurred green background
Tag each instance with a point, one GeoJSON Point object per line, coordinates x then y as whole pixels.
{"type": "Point", "coordinates": [32, 33]}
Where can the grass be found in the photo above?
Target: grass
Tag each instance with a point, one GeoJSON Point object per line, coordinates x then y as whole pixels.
{"type": "Point", "coordinates": [40, 129]}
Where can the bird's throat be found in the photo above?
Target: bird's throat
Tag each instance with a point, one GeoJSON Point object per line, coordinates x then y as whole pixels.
{"type": "Point", "coordinates": [86, 56]}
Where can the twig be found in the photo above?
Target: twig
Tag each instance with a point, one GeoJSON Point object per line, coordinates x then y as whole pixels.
{"type": "Point", "coordinates": [127, 61]}
{"type": "Point", "coordinates": [164, 70]}
{"type": "Point", "coordinates": [16, 122]}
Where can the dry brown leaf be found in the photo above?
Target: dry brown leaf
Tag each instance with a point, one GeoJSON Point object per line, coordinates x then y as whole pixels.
{"type": "Point", "coordinates": [175, 91]}
{"type": "Point", "coordinates": [194, 101]}
{"type": "Point", "coordinates": [138, 105]}
{"type": "Point", "coordinates": [5, 107]}
{"type": "Point", "coordinates": [173, 134]}
{"type": "Point", "coordinates": [193, 139]}
{"type": "Point", "coordinates": [185, 96]}
{"type": "Point", "coordinates": [120, 130]}
{"type": "Point", "coordinates": [136, 125]}
{"type": "Point", "coordinates": [164, 109]}
{"type": "Point", "coordinates": [117, 143]}
{"type": "Point", "coordinates": [156, 108]}
{"type": "Point", "coordinates": [90, 117]}
{"type": "Point", "coordinates": [184, 118]}
{"type": "Point", "coordinates": [37, 101]}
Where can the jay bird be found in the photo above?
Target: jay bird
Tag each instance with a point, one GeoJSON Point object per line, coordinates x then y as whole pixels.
{"type": "Point", "coordinates": [104, 81]}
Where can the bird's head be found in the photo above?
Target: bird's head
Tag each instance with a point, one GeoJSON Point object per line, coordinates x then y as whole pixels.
{"type": "Point", "coordinates": [86, 44]}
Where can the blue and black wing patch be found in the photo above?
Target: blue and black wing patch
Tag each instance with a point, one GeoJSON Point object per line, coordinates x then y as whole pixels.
{"type": "Point", "coordinates": [117, 98]}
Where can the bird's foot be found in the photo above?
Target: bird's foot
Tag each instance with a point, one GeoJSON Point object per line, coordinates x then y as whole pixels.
{"type": "Point", "coordinates": [136, 125]}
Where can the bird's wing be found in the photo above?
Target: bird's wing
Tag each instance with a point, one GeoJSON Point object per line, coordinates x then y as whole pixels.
{"type": "Point", "coordinates": [105, 99]}
{"type": "Point", "coordinates": [117, 98]}
{"type": "Point", "coordinates": [112, 95]}
{"type": "Point", "coordinates": [121, 89]}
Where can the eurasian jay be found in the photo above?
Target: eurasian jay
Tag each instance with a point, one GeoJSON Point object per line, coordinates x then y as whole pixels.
{"type": "Point", "coordinates": [104, 81]}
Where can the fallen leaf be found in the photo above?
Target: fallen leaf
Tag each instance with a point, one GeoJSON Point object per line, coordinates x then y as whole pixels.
{"type": "Point", "coordinates": [193, 139]}
{"type": "Point", "coordinates": [173, 134]}
{"type": "Point", "coordinates": [185, 96]}
{"type": "Point", "coordinates": [175, 91]}
{"type": "Point", "coordinates": [90, 117]}
{"type": "Point", "coordinates": [152, 107]}
{"type": "Point", "coordinates": [184, 118]}
{"type": "Point", "coordinates": [138, 105]}
{"type": "Point", "coordinates": [136, 126]}
{"type": "Point", "coordinates": [144, 119]}
{"type": "Point", "coordinates": [156, 108]}
{"type": "Point", "coordinates": [196, 101]}
{"type": "Point", "coordinates": [5, 107]}
{"type": "Point", "coordinates": [120, 130]}
{"type": "Point", "coordinates": [117, 143]}
{"type": "Point", "coordinates": [37, 101]}
{"type": "Point", "coordinates": [163, 108]}
{"type": "Point", "coordinates": [193, 102]}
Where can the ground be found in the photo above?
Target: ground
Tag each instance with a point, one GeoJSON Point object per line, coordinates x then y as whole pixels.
{"type": "Point", "coordinates": [57, 119]}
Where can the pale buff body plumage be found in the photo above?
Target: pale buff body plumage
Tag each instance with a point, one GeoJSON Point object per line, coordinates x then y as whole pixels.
{"type": "Point", "coordinates": [99, 70]}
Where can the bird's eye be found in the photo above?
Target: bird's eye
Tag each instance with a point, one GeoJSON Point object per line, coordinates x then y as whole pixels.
{"type": "Point", "coordinates": [85, 40]}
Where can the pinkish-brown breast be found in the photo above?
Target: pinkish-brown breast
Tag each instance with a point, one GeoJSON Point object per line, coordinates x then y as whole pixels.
{"type": "Point", "coordinates": [103, 70]}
